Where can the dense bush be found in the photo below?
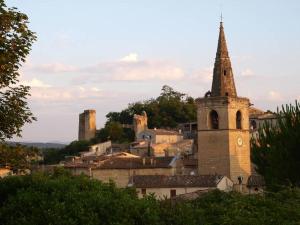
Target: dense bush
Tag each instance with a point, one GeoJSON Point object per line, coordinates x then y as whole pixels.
{"type": "Point", "coordinates": [276, 151]}
{"type": "Point", "coordinates": [18, 158]}
{"type": "Point", "coordinates": [60, 198]}
{"type": "Point", "coordinates": [53, 156]}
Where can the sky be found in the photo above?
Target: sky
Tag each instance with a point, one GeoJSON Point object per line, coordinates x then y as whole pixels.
{"type": "Point", "coordinates": [102, 55]}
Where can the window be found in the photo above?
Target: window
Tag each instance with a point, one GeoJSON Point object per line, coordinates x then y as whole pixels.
{"type": "Point", "coordinates": [172, 193]}
{"type": "Point", "coordinates": [253, 125]}
{"type": "Point", "coordinates": [144, 191]}
{"type": "Point", "coordinates": [214, 120]}
{"type": "Point", "coordinates": [224, 72]}
{"type": "Point", "coordinates": [226, 93]}
{"type": "Point", "coordinates": [238, 120]}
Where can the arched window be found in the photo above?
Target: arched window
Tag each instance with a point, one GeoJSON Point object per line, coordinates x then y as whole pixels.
{"type": "Point", "coordinates": [214, 119]}
{"type": "Point", "coordinates": [238, 120]}
{"type": "Point", "coordinates": [253, 125]}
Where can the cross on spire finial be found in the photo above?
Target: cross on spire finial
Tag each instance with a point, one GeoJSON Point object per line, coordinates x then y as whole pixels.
{"type": "Point", "coordinates": [221, 17]}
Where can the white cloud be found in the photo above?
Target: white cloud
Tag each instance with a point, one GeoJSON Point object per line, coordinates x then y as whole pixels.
{"type": "Point", "coordinates": [130, 69]}
{"type": "Point", "coordinates": [35, 83]}
{"type": "Point", "coordinates": [204, 75]}
{"type": "Point", "coordinates": [247, 73]}
{"type": "Point", "coordinates": [274, 96]}
{"type": "Point", "coordinates": [50, 68]}
{"type": "Point", "coordinates": [146, 70]}
{"type": "Point", "coordinates": [64, 94]}
{"type": "Point", "coordinates": [132, 57]}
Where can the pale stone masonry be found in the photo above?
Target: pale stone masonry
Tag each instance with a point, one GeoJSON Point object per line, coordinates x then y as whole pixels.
{"type": "Point", "coordinates": [223, 124]}
{"type": "Point", "coordinates": [87, 125]}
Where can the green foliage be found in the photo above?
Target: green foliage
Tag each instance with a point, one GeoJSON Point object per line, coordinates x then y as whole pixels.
{"type": "Point", "coordinates": [276, 152]}
{"type": "Point", "coordinates": [18, 158]}
{"type": "Point", "coordinates": [167, 110]}
{"type": "Point", "coordinates": [115, 132]}
{"type": "Point", "coordinates": [15, 43]}
{"type": "Point", "coordinates": [53, 156]}
{"type": "Point", "coordinates": [60, 198]}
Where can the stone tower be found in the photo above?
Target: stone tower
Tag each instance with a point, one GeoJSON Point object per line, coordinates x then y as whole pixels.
{"type": "Point", "coordinates": [140, 123]}
{"type": "Point", "coordinates": [87, 125]}
{"type": "Point", "coordinates": [223, 123]}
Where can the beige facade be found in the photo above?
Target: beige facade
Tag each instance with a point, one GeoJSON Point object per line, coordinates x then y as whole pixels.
{"type": "Point", "coordinates": [225, 150]}
{"type": "Point", "coordinates": [87, 125]}
{"type": "Point", "coordinates": [223, 124]}
{"type": "Point", "coordinates": [100, 148]}
{"type": "Point", "coordinates": [140, 123]}
{"type": "Point", "coordinates": [122, 176]}
{"type": "Point", "coordinates": [158, 136]}
{"type": "Point", "coordinates": [162, 193]}
{"type": "Point", "coordinates": [162, 190]}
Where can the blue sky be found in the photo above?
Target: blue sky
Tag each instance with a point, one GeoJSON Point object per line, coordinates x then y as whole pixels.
{"type": "Point", "coordinates": [106, 54]}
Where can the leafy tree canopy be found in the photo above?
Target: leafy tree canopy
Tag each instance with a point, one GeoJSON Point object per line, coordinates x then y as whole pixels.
{"type": "Point", "coordinates": [60, 198]}
{"type": "Point", "coordinates": [18, 158]}
{"type": "Point", "coordinates": [53, 156]}
{"type": "Point", "coordinates": [276, 151]}
{"type": "Point", "coordinates": [166, 111]}
{"type": "Point", "coordinates": [15, 43]}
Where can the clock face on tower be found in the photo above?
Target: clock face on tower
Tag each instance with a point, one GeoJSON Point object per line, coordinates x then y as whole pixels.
{"type": "Point", "coordinates": [240, 141]}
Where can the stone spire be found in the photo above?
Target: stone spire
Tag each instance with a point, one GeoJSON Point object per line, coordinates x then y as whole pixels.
{"type": "Point", "coordinates": [223, 82]}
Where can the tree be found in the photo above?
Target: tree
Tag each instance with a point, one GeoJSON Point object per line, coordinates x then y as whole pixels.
{"type": "Point", "coordinates": [18, 158]}
{"type": "Point", "coordinates": [276, 151]}
{"type": "Point", "coordinates": [53, 156]}
{"type": "Point", "coordinates": [15, 43]}
{"type": "Point", "coordinates": [115, 132]}
{"type": "Point", "coordinates": [60, 198]}
{"type": "Point", "coordinates": [166, 111]}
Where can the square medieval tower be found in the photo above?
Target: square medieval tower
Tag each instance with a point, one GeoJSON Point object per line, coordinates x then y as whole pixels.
{"type": "Point", "coordinates": [223, 123]}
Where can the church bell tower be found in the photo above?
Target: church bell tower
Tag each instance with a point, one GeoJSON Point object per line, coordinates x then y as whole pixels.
{"type": "Point", "coordinates": [223, 123]}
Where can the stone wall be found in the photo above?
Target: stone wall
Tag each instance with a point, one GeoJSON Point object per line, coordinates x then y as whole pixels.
{"type": "Point", "coordinates": [121, 176]}
{"type": "Point", "coordinates": [87, 125]}
{"type": "Point", "coordinates": [225, 150]}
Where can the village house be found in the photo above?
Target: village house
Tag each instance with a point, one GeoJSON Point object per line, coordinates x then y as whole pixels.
{"type": "Point", "coordinates": [119, 169]}
{"type": "Point", "coordinates": [163, 186]}
{"type": "Point", "coordinates": [213, 153]}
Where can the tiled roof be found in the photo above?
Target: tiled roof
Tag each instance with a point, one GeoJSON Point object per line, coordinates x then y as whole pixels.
{"type": "Point", "coordinates": [255, 181]}
{"type": "Point", "coordinates": [136, 163]}
{"type": "Point", "coordinates": [162, 181]}
{"type": "Point", "coordinates": [78, 165]}
{"type": "Point", "coordinates": [165, 132]}
{"type": "Point", "coordinates": [254, 111]}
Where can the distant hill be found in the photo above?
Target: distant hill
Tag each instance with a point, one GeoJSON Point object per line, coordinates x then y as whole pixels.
{"type": "Point", "coordinates": [40, 145]}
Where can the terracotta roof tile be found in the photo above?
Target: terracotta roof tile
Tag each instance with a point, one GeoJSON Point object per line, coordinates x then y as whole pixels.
{"type": "Point", "coordinates": [162, 181]}
{"type": "Point", "coordinates": [136, 163]}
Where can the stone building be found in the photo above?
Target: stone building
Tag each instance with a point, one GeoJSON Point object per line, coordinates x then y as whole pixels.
{"type": "Point", "coordinates": [223, 123]}
{"type": "Point", "coordinates": [140, 123]}
{"type": "Point", "coordinates": [170, 186]}
{"type": "Point", "coordinates": [121, 168]}
{"type": "Point", "coordinates": [87, 125]}
{"type": "Point", "coordinates": [159, 136]}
